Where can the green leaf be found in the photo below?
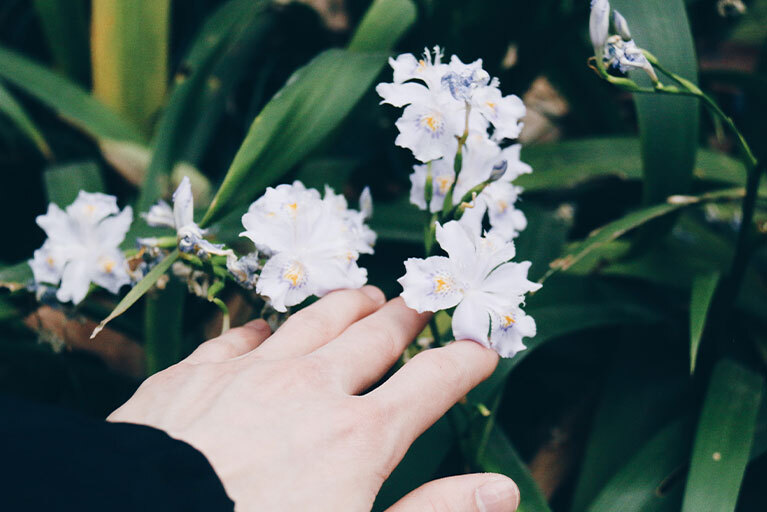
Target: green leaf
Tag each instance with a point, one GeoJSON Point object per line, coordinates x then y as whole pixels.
{"type": "Point", "coordinates": [63, 182]}
{"type": "Point", "coordinates": [139, 290]}
{"type": "Point", "coordinates": [129, 54]}
{"type": "Point", "coordinates": [703, 288]}
{"type": "Point", "coordinates": [313, 102]}
{"type": "Point", "coordinates": [15, 112]}
{"type": "Point", "coordinates": [606, 234]}
{"type": "Point", "coordinates": [383, 24]}
{"type": "Point", "coordinates": [163, 326]}
{"type": "Point", "coordinates": [668, 125]}
{"type": "Point", "coordinates": [723, 440]}
{"type": "Point", "coordinates": [67, 99]}
{"type": "Point", "coordinates": [639, 484]}
{"type": "Point", "coordinates": [571, 163]}
{"type": "Point", "coordinates": [500, 456]}
{"type": "Point", "coordinates": [637, 380]}
{"type": "Point", "coordinates": [15, 277]}
{"type": "Point", "coordinates": [65, 25]}
{"type": "Point", "coordinates": [186, 107]}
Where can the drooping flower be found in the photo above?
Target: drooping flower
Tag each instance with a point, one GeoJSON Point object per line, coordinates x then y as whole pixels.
{"type": "Point", "coordinates": [181, 218]}
{"type": "Point", "coordinates": [244, 270]}
{"type": "Point", "coordinates": [83, 246]}
{"type": "Point", "coordinates": [619, 51]}
{"type": "Point", "coordinates": [479, 280]}
{"type": "Point", "coordinates": [312, 244]}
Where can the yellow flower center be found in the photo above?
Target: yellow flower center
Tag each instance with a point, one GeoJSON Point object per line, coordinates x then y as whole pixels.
{"type": "Point", "coordinates": [50, 261]}
{"type": "Point", "coordinates": [508, 320]}
{"type": "Point", "coordinates": [108, 266]}
{"type": "Point", "coordinates": [431, 122]}
{"type": "Point", "coordinates": [443, 184]}
{"type": "Point", "coordinates": [294, 273]}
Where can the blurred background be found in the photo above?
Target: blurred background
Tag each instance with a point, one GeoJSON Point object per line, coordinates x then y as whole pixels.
{"type": "Point", "coordinates": [602, 414]}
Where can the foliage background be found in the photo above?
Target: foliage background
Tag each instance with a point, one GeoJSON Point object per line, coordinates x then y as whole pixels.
{"type": "Point", "coordinates": [602, 412]}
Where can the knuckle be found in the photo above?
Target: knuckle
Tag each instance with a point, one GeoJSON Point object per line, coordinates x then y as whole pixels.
{"type": "Point", "coordinates": [385, 339]}
{"type": "Point", "coordinates": [312, 321]}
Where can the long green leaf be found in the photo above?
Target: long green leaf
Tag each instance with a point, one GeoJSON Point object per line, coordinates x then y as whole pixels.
{"type": "Point", "coordinates": [15, 112]}
{"type": "Point", "coordinates": [65, 25]}
{"type": "Point", "coordinates": [313, 102]}
{"type": "Point", "coordinates": [129, 55]}
{"type": "Point", "coordinates": [65, 98]}
{"type": "Point", "coordinates": [570, 163]}
{"type": "Point", "coordinates": [63, 182]}
{"type": "Point", "coordinates": [723, 441]}
{"type": "Point", "coordinates": [383, 24]}
{"type": "Point", "coordinates": [617, 228]}
{"type": "Point", "coordinates": [139, 290]}
{"type": "Point", "coordinates": [703, 288]}
{"type": "Point", "coordinates": [500, 456]}
{"type": "Point", "coordinates": [639, 485]}
{"type": "Point", "coordinates": [668, 125]}
{"type": "Point", "coordinates": [641, 394]}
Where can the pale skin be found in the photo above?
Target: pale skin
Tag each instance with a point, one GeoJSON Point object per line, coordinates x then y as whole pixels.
{"type": "Point", "coordinates": [288, 420]}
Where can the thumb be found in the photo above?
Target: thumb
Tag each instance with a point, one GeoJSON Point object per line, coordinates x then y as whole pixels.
{"type": "Point", "coordinates": [480, 492]}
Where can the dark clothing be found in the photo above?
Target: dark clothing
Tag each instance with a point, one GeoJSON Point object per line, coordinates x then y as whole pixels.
{"type": "Point", "coordinates": [53, 459]}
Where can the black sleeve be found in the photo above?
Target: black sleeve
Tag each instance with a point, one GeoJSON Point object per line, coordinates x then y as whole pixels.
{"type": "Point", "coordinates": [53, 459]}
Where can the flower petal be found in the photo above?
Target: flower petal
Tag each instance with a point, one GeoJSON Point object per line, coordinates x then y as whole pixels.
{"type": "Point", "coordinates": [91, 207]}
{"type": "Point", "coordinates": [75, 281]}
{"type": "Point", "coordinates": [111, 231]}
{"type": "Point", "coordinates": [47, 266]}
{"type": "Point", "coordinates": [183, 204]}
{"type": "Point", "coordinates": [508, 330]}
{"type": "Point", "coordinates": [111, 272]}
{"type": "Point", "coordinates": [430, 284]}
{"type": "Point", "coordinates": [399, 95]}
{"type": "Point", "coordinates": [160, 215]}
{"type": "Point", "coordinates": [284, 281]}
{"type": "Point", "coordinates": [471, 321]}
{"type": "Point", "coordinates": [458, 242]}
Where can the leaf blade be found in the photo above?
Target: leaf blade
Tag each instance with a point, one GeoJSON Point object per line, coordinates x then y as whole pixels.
{"type": "Point", "coordinates": [139, 290]}
{"type": "Point", "coordinates": [723, 440]}
{"type": "Point", "coordinates": [703, 288]}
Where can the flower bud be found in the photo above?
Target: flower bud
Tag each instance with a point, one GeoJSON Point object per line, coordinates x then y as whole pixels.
{"type": "Point", "coordinates": [621, 26]}
{"type": "Point", "coordinates": [599, 25]}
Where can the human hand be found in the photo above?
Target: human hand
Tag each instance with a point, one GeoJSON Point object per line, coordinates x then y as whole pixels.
{"type": "Point", "coordinates": [281, 419]}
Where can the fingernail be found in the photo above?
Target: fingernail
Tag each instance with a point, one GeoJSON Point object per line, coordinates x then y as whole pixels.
{"type": "Point", "coordinates": [374, 293]}
{"type": "Point", "coordinates": [500, 495]}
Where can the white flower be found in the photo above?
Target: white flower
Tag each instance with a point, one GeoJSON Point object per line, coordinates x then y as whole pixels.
{"type": "Point", "coordinates": [436, 97]}
{"type": "Point", "coordinates": [497, 201]}
{"type": "Point", "coordinates": [181, 218]}
{"type": "Point", "coordinates": [83, 246]}
{"type": "Point", "coordinates": [478, 279]}
{"type": "Point", "coordinates": [625, 56]}
{"type": "Point", "coordinates": [442, 178]}
{"type": "Point", "coordinates": [313, 244]}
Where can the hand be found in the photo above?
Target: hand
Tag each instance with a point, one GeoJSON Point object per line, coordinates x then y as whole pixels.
{"type": "Point", "coordinates": [281, 419]}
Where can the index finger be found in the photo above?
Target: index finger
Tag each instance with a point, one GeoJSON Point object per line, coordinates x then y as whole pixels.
{"type": "Point", "coordinates": [431, 383]}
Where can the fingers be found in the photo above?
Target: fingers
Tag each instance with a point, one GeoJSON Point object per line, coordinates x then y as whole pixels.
{"type": "Point", "coordinates": [367, 349]}
{"type": "Point", "coordinates": [430, 383]}
{"type": "Point", "coordinates": [231, 344]}
{"type": "Point", "coordinates": [319, 323]}
{"type": "Point", "coordinates": [484, 492]}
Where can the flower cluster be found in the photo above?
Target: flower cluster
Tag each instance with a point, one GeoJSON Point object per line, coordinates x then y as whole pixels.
{"type": "Point", "coordinates": [82, 247]}
{"type": "Point", "coordinates": [312, 242]}
{"type": "Point", "coordinates": [617, 51]}
{"type": "Point", "coordinates": [477, 279]}
{"type": "Point", "coordinates": [455, 121]}
{"type": "Point", "coordinates": [306, 245]}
